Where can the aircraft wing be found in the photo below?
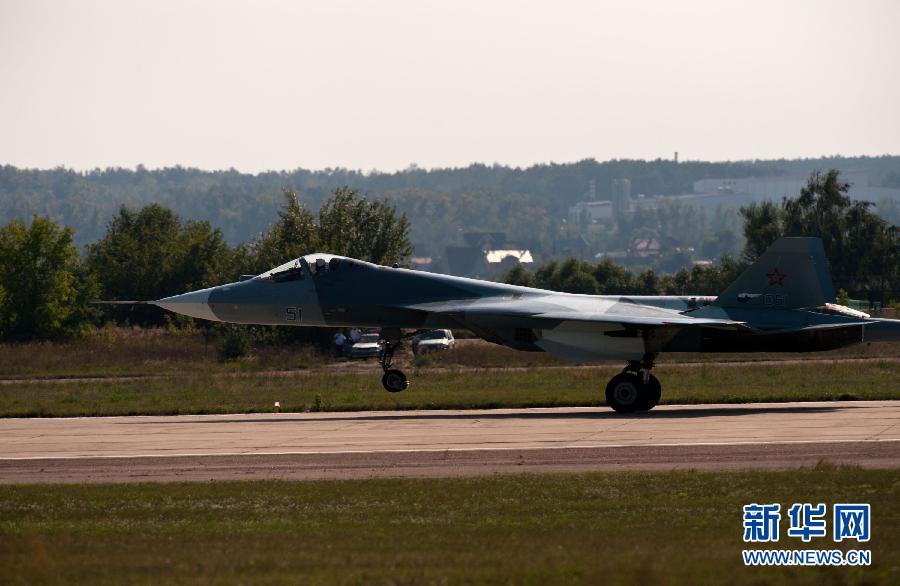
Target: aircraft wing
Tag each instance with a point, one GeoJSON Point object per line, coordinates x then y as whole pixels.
{"type": "Point", "coordinates": [644, 321]}
{"type": "Point", "coordinates": [576, 328]}
{"type": "Point", "coordinates": [546, 313]}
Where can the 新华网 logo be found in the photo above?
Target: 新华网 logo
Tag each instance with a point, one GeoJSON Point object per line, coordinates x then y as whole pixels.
{"type": "Point", "coordinates": [807, 522]}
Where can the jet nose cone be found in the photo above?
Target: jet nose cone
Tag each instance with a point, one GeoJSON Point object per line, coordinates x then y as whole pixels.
{"type": "Point", "coordinates": [194, 304]}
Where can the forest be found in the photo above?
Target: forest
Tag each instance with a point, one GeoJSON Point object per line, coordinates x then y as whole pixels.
{"type": "Point", "coordinates": [529, 204]}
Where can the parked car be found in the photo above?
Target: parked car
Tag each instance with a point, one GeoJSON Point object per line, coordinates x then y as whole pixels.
{"type": "Point", "coordinates": [368, 346]}
{"type": "Point", "coordinates": [432, 341]}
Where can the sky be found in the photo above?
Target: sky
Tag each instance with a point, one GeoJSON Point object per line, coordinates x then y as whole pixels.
{"type": "Point", "coordinates": [272, 85]}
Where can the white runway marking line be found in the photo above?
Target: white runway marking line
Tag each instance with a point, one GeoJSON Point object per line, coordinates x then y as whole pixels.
{"type": "Point", "coordinates": [434, 450]}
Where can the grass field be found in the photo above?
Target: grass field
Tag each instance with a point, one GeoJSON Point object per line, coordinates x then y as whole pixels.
{"type": "Point", "coordinates": [613, 528]}
{"type": "Point", "coordinates": [326, 390]}
{"type": "Point", "coordinates": [185, 377]}
{"type": "Point", "coordinates": [329, 390]}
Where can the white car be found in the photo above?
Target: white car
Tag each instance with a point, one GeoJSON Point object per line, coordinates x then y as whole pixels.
{"type": "Point", "coordinates": [368, 346]}
{"type": "Point", "coordinates": [433, 341]}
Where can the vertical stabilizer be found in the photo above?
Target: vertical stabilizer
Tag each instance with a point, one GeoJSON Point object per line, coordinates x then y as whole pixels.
{"type": "Point", "coordinates": [791, 273]}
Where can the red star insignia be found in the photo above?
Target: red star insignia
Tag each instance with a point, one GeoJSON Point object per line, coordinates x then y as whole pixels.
{"type": "Point", "coordinates": [776, 277]}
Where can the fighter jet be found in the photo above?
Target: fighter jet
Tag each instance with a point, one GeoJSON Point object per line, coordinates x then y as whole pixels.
{"type": "Point", "coordinates": [784, 302]}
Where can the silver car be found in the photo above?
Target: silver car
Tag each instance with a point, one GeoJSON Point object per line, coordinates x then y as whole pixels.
{"type": "Point", "coordinates": [433, 341]}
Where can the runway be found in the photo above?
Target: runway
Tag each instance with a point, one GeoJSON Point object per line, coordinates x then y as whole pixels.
{"type": "Point", "coordinates": [447, 443]}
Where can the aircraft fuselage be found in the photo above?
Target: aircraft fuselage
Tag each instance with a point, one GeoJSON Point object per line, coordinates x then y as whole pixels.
{"type": "Point", "coordinates": [330, 291]}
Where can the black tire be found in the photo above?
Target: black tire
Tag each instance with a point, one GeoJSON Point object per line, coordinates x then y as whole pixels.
{"type": "Point", "coordinates": [394, 381]}
{"type": "Point", "coordinates": [625, 393]}
{"type": "Point", "coordinates": [653, 393]}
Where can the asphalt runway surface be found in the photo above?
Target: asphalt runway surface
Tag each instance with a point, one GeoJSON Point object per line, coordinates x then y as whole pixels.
{"type": "Point", "coordinates": [447, 442]}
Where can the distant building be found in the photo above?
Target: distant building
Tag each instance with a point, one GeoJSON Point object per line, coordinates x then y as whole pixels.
{"type": "Point", "coordinates": [485, 254]}
{"type": "Point", "coordinates": [591, 212]}
{"type": "Point", "coordinates": [739, 191]}
{"type": "Point", "coordinates": [594, 211]}
{"type": "Point", "coordinates": [645, 247]}
{"type": "Point", "coordinates": [466, 261]}
{"type": "Point", "coordinates": [773, 188]}
{"type": "Point", "coordinates": [736, 192]}
{"type": "Point", "coordinates": [621, 195]}
{"type": "Point", "coordinates": [617, 256]}
{"type": "Point", "coordinates": [514, 256]}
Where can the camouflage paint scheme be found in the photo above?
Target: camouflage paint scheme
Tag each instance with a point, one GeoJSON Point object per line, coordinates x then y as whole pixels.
{"type": "Point", "coordinates": [783, 302]}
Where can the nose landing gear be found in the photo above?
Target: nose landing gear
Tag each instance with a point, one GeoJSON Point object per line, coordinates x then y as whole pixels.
{"type": "Point", "coordinates": [634, 389]}
{"type": "Point", "coordinates": [393, 380]}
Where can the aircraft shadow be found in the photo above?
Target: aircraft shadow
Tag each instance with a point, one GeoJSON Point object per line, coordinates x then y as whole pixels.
{"type": "Point", "coordinates": [686, 413]}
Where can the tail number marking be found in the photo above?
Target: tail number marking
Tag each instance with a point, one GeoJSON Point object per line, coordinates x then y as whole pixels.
{"type": "Point", "coordinates": [774, 300]}
{"type": "Point", "coordinates": [292, 313]}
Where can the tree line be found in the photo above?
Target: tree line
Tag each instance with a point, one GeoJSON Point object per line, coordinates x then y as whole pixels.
{"type": "Point", "coordinates": [46, 286]}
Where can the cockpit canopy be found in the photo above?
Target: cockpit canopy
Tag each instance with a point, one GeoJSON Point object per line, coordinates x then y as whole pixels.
{"type": "Point", "coordinates": [308, 265]}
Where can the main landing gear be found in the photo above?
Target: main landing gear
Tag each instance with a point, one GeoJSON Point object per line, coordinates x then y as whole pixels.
{"type": "Point", "coordinates": [393, 380]}
{"type": "Point", "coordinates": [635, 389]}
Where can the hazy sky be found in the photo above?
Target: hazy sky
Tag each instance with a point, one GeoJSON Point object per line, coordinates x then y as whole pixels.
{"type": "Point", "coordinates": [277, 85]}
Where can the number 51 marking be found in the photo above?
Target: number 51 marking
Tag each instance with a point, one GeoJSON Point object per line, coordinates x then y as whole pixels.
{"type": "Point", "coordinates": [292, 314]}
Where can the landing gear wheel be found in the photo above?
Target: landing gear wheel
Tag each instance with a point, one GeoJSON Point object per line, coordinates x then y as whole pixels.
{"type": "Point", "coordinates": [653, 392]}
{"type": "Point", "coordinates": [624, 393]}
{"type": "Point", "coordinates": [394, 381]}
{"type": "Point", "coordinates": [627, 392]}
